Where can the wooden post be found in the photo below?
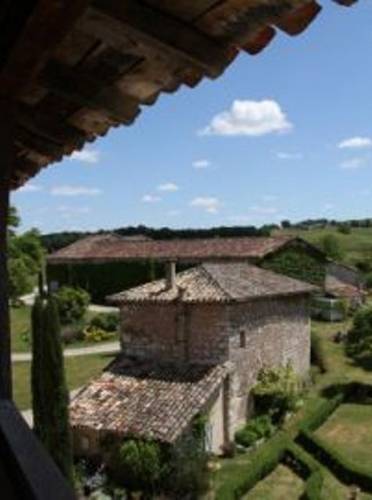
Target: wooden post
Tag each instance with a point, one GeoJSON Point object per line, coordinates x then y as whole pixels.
{"type": "Point", "coordinates": [6, 159]}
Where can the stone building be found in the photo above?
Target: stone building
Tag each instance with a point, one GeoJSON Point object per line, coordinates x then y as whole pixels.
{"type": "Point", "coordinates": [194, 343]}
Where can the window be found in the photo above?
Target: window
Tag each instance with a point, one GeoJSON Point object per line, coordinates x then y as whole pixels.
{"type": "Point", "coordinates": [84, 443]}
{"type": "Point", "coordinates": [242, 339]}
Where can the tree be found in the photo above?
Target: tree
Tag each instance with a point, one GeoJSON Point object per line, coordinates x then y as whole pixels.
{"type": "Point", "coordinates": [359, 339]}
{"type": "Point", "coordinates": [50, 393]}
{"type": "Point", "coordinates": [286, 224]}
{"type": "Point", "coordinates": [330, 245]}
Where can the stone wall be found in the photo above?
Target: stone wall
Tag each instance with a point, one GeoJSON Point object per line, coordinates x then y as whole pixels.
{"type": "Point", "coordinates": [264, 333]}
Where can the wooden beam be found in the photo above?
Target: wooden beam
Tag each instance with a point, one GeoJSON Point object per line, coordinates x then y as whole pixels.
{"type": "Point", "coordinates": [298, 19]}
{"type": "Point", "coordinates": [167, 33]}
{"type": "Point", "coordinates": [6, 167]}
{"type": "Point", "coordinates": [49, 22]}
{"type": "Point", "coordinates": [86, 91]}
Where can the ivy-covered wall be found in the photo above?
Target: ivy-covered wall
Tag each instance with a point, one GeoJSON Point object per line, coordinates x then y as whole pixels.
{"type": "Point", "coordinates": [297, 262]}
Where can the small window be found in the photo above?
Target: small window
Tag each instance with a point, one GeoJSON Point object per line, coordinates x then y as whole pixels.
{"type": "Point", "coordinates": [242, 339]}
{"type": "Point", "coordinates": [84, 443]}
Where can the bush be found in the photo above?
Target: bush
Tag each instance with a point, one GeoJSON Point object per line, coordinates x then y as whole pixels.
{"type": "Point", "coordinates": [368, 280]}
{"type": "Point", "coordinates": [321, 412]}
{"type": "Point", "coordinates": [138, 465]}
{"type": "Point", "coordinates": [318, 354]}
{"type": "Point", "coordinates": [72, 304]}
{"type": "Point", "coordinates": [108, 322]}
{"type": "Point", "coordinates": [256, 429]}
{"type": "Point", "coordinates": [72, 333]}
{"type": "Point", "coordinates": [277, 392]}
{"type": "Point", "coordinates": [305, 467]}
{"type": "Point", "coordinates": [344, 229]}
{"type": "Point", "coordinates": [93, 334]}
{"type": "Point", "coordinates": [359, 339]}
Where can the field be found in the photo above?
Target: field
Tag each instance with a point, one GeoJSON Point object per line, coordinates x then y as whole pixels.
{"type": "Point", "coordinates": [281, 484]}
{"type": "Point", "coordinates": [355, 246]}
{"type": "Point", "coordinates": [79, 370]}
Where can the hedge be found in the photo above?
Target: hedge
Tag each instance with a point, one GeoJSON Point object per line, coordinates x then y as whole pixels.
{"type": "Point", "coordinates": [305, 467]}
{"type": "Point", "coordinates": [243, 477]}
{"type": "Point", "coordinates": [318, 353]}
{"type": "Point", "coordinates": [318, 416]}
{"type": "Point", "coordinates": [347, 471]}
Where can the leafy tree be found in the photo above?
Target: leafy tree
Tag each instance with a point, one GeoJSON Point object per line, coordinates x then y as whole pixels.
{"type": "Point", "coordinates": [359, 339]}
{"type": "Point", "coordinates": [72, 304]}
{"type": "Point", "coordinates": [330, 245]}
{"type": "Point", "coordinates": [50, 393]}
{"type": "Point", "coordinates": [286, 224]}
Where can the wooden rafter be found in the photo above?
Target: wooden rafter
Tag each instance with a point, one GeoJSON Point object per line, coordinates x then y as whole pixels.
{"type": "Point", "coordinates": [168, 33]}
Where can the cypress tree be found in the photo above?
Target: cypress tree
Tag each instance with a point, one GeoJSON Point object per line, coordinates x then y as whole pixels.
{"type": "Point", "coordinates": [58, 437]}
{"type": "Point", "coordinates": [37, 377]}
{"type": "Point", "coordinates": [49, 389]}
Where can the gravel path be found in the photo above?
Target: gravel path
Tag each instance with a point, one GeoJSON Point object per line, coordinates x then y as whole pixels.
{"type": "Point", "coordinates": [106, 348]}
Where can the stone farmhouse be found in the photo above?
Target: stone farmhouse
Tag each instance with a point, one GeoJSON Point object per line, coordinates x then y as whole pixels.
{"type": "Point", "coordinates": [192, 344]}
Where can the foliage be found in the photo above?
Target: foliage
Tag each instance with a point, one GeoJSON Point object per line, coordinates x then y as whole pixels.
{"type": "Point", "coordinates": [308, 469]}
{"type": "Point", "coordinates": [72, 304]}
{"type": "Point", "coordinates": [321, 412]}
{"type": "Point", "coordinates": [244, 476]}
{"type": "Point", "coordinates": [368, 281]}
{"type": "Point", "coordinates": [256, 429]}
{"type": "Point", "coordinates": [26, 257]}
{"type": "Point", "coordinates": [359, 338]}
{"type": "Point", "coordinates": [107, 321]}
{"type": "Point", "coordinates": [140, 465]}
{"type": "Point", "coordinates": [50, 393]}
{"type": "Point", "coordinates": [95, 334]}
{"type": "Point", "coordinates": [297, 263]}
{"type": "Point", "coordinates": [331, 246]}
{"type": "Point", "coordinates": [277, 392]}
{"type": "Point", "coordinates": [344, 229]}
{"type": "Point", "coordinates": [318, 352]}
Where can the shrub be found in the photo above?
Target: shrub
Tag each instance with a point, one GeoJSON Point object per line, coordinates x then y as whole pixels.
{"type": "Point", "coordinates": [138, 465]}
{"type": "Point", "coordinates": [321, 412]}
{"type": "Point", "coordinates": [72, 304]}
{"type": "Point", "coordinates": [307, 468]}
{"type": "Point", "coordinates": [368, 280]}
{"type": "Point", "coordinates": [107, 321]}
{"type": "Point", "coordinates": [94, 334]}
{"type": "Point", "coordinates": [72, 333]}
{"type": "Point", "coordinates": [344, 229]}
{"type": "Point", "coordinates": [256, 429]}
{"type": "Point", "coordinates": [330, 245]}
{"type": "Point", "coordinates": [318, 354]}
{"type": "Point", "coordinates": [277, 392]}
{"type": "Point", "coordinates": [359, 339]}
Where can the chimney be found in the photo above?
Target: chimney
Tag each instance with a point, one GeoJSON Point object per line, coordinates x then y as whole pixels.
{"type": "Point", "coordinates": [171, 274]}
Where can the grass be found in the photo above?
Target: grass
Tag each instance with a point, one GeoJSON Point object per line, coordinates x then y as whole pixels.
{"type": "Point", "coordinates": [281, 484]}
{"type": "Point", "coordinates": [79, 370]}
{"type": "Point", "coordinates": [356, 246]}
{"type": "Point", "coordinates": [349, 430]}
{"type": "Point", "coordinates": [20, 318]}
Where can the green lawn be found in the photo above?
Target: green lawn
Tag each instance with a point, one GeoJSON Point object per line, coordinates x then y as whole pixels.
{"type": "Point", "coordinates": [349, 429]}
{"type": "Point", "coordinates": [20, 318]}
{"type": "Point", "coordinates": [281, 484]}
{"type": "Point", "coordinates": [79, 370]}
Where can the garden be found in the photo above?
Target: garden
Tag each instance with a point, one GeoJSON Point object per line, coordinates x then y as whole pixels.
{"type": "Point", "coordinates": [319, 445]}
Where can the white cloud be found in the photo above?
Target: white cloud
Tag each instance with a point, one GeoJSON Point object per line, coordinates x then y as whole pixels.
{"type": "Point", "coordinates": [249, 118]}
{"type": "Point", "coordinates": [208, 203]}
{"type": "Point", "coordinates": [264, 210]}
{"type": "Point", "coordinates": [353, 163]}
{"type": "Point", "coordinates": [200, 164]}
{"type": "Point", "coordinates": [289, 156]}
{"type": "Point", "coordinates": [74, 191]}
{"type": "Point", "coordinates": [169, 186]}
{"type": "Point", "coordinates": [85, 156]}
{"type": "Point", "coordinates": [355, 143]}
{"type": "Point", "coordinates": [30, 188]}
{"type": "Point", "coordinates": [150, 198]}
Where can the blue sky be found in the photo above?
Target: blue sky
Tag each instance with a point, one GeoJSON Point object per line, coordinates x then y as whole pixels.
{"type": "Point", "coordinates": [285, 134]}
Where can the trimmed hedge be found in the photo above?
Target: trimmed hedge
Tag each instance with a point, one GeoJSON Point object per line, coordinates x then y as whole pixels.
{"type": "Point", "coordinates": [318, 354]}
{"type": "Point", "coordinates": [305, 467]}
{"type": "Point", "coordinates": [345, 470]}
{"type": "Point", "coordinates": [244, 476]}
{"type": "Point", "coordinates": [320, 414]}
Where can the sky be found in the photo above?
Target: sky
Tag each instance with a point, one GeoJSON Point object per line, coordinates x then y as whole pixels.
{"type": "Point", "coordinates": [286, 134]}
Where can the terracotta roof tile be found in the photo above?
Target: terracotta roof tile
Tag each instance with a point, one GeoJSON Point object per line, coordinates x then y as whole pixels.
{"type": "Point", "coordinates": [216, 282]}
{"type": "Point", "coordinates": [147, 400]}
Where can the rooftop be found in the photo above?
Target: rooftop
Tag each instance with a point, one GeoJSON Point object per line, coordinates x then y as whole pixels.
{"type": "Point", "coordinates": [104, 248]}
{"type": "Point", "coordinates": [76, 69]}
{"type": "Point", "coordinates": [153, 401]}
{"type": "Point", "coordinates": [216, 282]}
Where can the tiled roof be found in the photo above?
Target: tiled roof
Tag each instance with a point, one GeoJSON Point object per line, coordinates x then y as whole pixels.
{"type": "Point", "coordinates": [146, 400]}
{"type": "Point", "coordinates": [103, 248]}
{"type": "Point", "coordinates": [216, 282]}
